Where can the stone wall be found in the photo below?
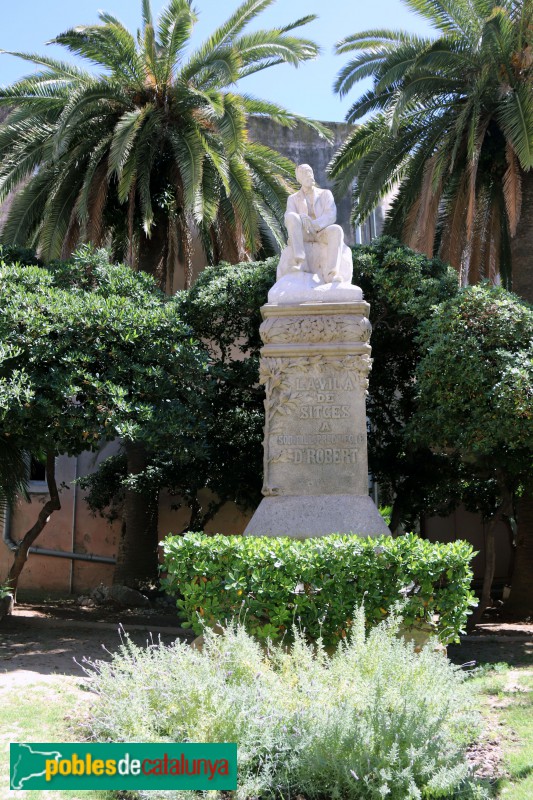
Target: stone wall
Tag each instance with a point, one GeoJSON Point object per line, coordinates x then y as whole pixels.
{"type": "Point", "coordinates": [304, 146]}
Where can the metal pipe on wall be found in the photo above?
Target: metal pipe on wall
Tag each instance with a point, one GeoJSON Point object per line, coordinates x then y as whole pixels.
{"type": "Point", "coordinates": [73, 536]}
{"type": "Point", "coordinates": [45, 551]}
{"type": "Point", "coordinates": [6, 531]}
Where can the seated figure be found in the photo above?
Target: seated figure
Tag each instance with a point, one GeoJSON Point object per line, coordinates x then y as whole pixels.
{"type": "Point", "coordinates": [316, 243]}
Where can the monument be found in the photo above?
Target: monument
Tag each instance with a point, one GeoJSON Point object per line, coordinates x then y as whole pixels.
{"type": "Point", "coordinates": [315, 363]}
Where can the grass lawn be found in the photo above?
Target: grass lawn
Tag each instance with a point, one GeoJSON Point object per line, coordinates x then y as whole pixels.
{"type": "Point", "coordinates": [37, 712]}
{"type": "Point", "coordinates": [506, 694]}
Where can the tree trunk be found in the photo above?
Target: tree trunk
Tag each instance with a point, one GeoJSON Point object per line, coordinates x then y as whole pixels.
{"type": "Point", "coordinates": [137, 563]}
{"type": "Point", "coordinates": [520, 602]}
{"type": "Point", "coordinates": [396, 517]}
{"type": "Point", "coordinates": [488, 576]}
{"type": "Point", "coordinates": [51, 505]}
{"type": "Point", "coordinates": [511, 531]}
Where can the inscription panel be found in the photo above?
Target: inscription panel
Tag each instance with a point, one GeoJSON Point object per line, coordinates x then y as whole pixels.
{"type": "Point", "coordinates": [315, 438]}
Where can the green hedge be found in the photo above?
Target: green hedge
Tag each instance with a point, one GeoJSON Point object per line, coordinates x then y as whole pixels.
{"type": "Point", "coordinates": [271, 583]}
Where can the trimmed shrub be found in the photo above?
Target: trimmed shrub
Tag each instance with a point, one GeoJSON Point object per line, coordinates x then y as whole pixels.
{"type": "Point", "coordinates": [273, 583]}
{"type": "Point", "coordinates": [375, 720]}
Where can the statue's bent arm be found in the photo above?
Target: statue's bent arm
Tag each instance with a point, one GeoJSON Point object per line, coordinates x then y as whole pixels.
{"type": "Point", "coordinates": [329, 216]}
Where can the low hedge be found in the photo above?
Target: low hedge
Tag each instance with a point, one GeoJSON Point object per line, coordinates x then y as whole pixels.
{"type": "Point", "coordinates": [272, 583]}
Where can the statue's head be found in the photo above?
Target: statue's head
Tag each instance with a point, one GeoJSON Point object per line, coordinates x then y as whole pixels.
{"type": "Point", "coordinates": [305, 175]}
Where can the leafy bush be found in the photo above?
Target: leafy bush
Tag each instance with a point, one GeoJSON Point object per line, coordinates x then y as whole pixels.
{"type": "Point", "coordinates": [223, 306]}
{"type": "Point", "coordinates": [375, 720]}
{"type": "Point", "coordinates": [402, 286]}
{"type": "Point", "coordinates": [475, 381]}
{"type": "Point", "coordinates": [317, 582]}
{"type": "Point", "coordinates": [13, 254]}
{"type": "Point", "coordinates": [223, 311]}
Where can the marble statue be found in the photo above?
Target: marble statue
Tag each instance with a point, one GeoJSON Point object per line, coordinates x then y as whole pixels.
{"type": "Point", "coordinates": [315, 363]}
{"type": "Point", "coordinates": [316, 265]}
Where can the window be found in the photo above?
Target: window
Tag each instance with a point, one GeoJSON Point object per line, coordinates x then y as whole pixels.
{"type": "Point", "coordinates": [37, 476]}
{"type": "Point", "coordinates": [37, 470]}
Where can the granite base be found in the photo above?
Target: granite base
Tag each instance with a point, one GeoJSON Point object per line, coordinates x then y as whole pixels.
{"type": "Point", "coordinates": [302, 516]}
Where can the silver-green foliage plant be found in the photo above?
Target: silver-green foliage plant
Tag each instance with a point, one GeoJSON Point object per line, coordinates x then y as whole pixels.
{"type": "Point", "coordinates": [374, 720]}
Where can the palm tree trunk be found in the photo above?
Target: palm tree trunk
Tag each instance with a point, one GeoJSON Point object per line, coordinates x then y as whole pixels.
{"type": "Point", "coordinates": [137, 563]}
{"type": "Point", "coordinates": [522, 243]}
{"type": "Point", "coordinates": [153, 252]}
{"type": "Point", "coordinates": [521, 599]}
{"type": "Point", "coordinates": [51, 505]}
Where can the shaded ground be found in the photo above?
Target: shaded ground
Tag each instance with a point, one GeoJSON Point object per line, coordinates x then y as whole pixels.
{"type": "Point", "coordinates": [495, 641]}
{"type": "Point", "coordinates": [48, 640]}
{"type": "Point", "coordinates": [44, 639]}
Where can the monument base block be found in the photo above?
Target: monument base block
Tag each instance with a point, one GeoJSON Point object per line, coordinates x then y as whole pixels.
{"type": "Point", "coordinates": [302, 516]}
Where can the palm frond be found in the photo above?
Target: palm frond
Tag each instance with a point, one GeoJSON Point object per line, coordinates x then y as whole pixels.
{"type": "Point", "coordinates": [174, 27]}
{"type": "Point", "coordinates": [282, 116]}
{"type": "Point", "coordinates": [364, 66]}
{"type": "Point", "coordinates": [515, 115]}
{"type": "Point", "coordinates": [57, 213]}
{"type": "Point", "coordinates": [189, 155]}
{"type": "Point", "coordinates": [262, 46]}
{"type": "Point", "coordinates": [26, 210]}
{"type": "Point", "coordinates": [298, 23]}
{"type": "Point", "coordinates": [378, 37]}
{"type": "Point", "coordinates": [453, 242]}
{"type": "Point", "coordinates": [240, 190]}
{"type": "Point", "coordinates": [448, 16]}
{"type": "Point", "coordinates": [147, 14]}
{"type": "Point", "coordinates": [59, 69]}
{"type": "Point", "coordinates": [369, 101]}
{"type": "Point", "coordinates": [22, 148]}
{"type": "Point", "coordinates": [124, 136]}
{"type": "Point", "coordinates": [110, 46]}
{"type": "Point", "coordinates": [84, 104]}
{"type": "Point", "coordinates": [223, 37]}
{"type": "Point", "coordinates": [93, 199]}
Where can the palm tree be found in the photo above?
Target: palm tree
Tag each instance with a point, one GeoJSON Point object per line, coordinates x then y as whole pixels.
{"type": "Point", "coordinates": [453, 133]}
{"type": "Point", "coordinates": [453, 137]}
{"type": "Point", "coordinates": [152, 150]}
{"type": "Point", "coordinates": [146, 155]}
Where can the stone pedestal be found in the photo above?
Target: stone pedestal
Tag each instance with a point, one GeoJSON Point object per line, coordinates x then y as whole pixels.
{"type": "Point", "coordinates": [314, 364]}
